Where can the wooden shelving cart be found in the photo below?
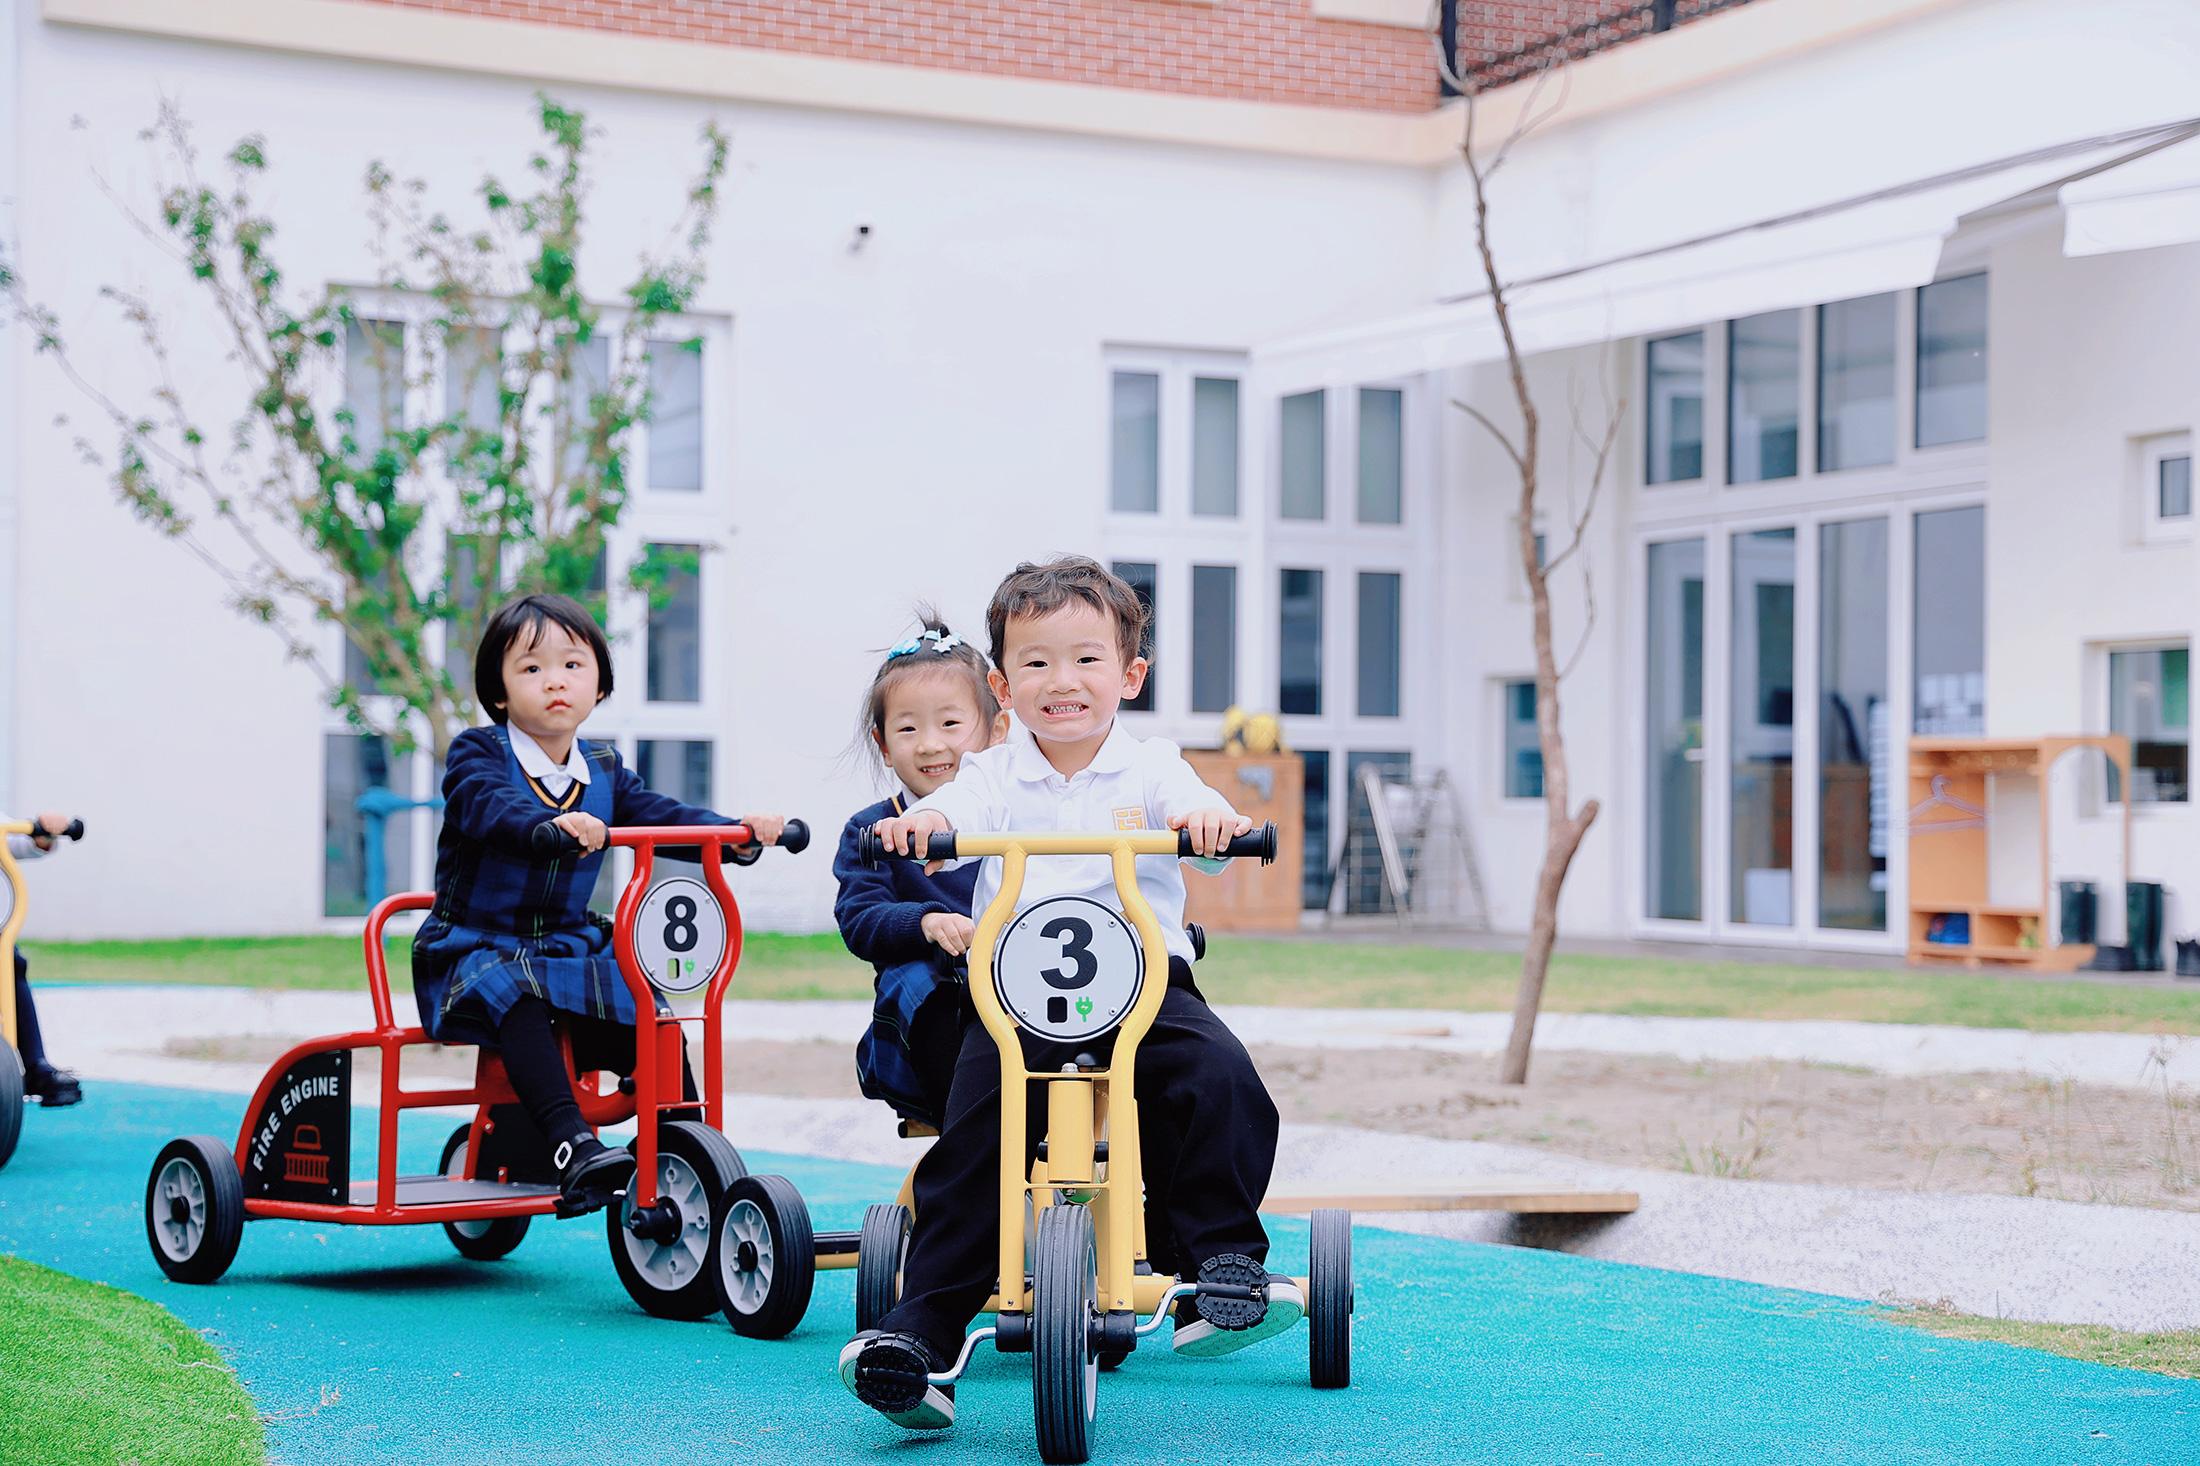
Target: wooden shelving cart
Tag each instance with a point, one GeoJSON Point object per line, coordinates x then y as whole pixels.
{"type": "Point", "coordinates": [1955, 787]}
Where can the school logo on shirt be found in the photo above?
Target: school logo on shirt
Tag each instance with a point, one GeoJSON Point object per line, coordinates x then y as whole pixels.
{"type": "Point", "coordinates": [1132, 817]}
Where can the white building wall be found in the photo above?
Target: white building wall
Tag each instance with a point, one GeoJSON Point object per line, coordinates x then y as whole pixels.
{"type": "Point", "coordinates": [905, 420]}
{"type": "Point", "coordinates": [2088, 356]}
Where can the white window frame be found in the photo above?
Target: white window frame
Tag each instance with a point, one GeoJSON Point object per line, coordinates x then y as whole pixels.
{"type": "Point", "coordinates": [1501, 689]}
{"type": "Point", "coordinates": [2097, 698]}
{"type": "Point", "coordinates": [2149, 454]}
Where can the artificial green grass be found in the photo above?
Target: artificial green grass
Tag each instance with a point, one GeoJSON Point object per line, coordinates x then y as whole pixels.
{"type": "Point", "coordinates": [89, 1373]}
{"type": "Point", "coordinates": [1302, 972]}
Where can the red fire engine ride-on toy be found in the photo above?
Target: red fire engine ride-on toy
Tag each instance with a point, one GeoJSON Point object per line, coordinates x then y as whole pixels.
{"type": "Point", "coordinates": [293, 1152]}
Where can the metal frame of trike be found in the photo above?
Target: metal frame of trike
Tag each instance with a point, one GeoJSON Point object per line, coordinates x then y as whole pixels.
{"type": "Point", "coordinates": [599, 1107]}
{"type": "Point", "coordinates": [18, 902]}
{"type": "Point", "coordinates": [1074, 1121]}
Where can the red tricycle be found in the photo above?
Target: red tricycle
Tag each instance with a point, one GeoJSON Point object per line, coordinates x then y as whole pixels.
{"type": "Point", "coordinates": [292, 1158]}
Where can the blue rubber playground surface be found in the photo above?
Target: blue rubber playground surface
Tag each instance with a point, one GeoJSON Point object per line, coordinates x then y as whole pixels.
{"type": "Point", "coordinates": [370, 1345]}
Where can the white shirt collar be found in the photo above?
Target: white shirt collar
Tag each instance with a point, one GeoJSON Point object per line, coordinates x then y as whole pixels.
{"type": "Point", "coordinates": [538, 764]}
{"type": "Point", "coordinates": [1116, 753]}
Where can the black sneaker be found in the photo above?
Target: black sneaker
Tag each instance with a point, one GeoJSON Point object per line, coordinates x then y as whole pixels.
{"type": "Point", "coordinates": [55, 1089]}
{"type": "Point", "coordinates": [591, 1175]}
{"type": "Point", "coordinates": [889, 1373]}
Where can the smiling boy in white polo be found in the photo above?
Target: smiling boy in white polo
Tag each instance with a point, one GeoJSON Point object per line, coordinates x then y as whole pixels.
{"type": "Point", "coordinates": [1065, 646]}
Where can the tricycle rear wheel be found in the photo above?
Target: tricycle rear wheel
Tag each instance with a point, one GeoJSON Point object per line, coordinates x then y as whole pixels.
{"type": "Point", "coordinates": [483, 1241]}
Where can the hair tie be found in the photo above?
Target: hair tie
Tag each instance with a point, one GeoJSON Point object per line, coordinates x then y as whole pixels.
{"type": "Point", "coordinates": [941, 642]}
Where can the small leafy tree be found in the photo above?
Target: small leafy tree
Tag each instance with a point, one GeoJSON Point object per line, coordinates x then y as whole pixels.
{"type": "Point", "coordinates": [316, 507]}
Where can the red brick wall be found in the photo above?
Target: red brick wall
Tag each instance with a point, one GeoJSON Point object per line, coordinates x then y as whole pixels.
{"type": "Point", "coordinates": [1253, 50]}
{"type": "Point", "coordinates": [1258, 50]}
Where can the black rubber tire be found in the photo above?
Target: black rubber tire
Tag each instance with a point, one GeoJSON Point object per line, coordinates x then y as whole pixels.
{"type": "Point", "coordinates": [11, 1100]}
{"type": "Point", "coordinates": [1065, 1335]}
{"type": "Point", "coordinates": [676, 1280]}
{"type": "Point", "coordinates": [788, 1271]}
{"type": "Point", "coordinates": [880, 1249]}
{"type": "Point", "coordinates": [1329, 1300]}
{"type": "Point", "coordinates": [204, 1166]}
{"type": "Point", "coordinates": [481, 1241]}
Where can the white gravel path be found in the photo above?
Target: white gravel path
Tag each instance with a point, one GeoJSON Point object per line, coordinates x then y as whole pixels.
{"type": "Point", "coordinates": [2053, 1261]}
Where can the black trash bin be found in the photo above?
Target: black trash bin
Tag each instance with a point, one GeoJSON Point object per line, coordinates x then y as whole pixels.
{"type": "Point", "coordinates": [2143, 925]}
{"type": "Point", "coordinates": [2080, 902]}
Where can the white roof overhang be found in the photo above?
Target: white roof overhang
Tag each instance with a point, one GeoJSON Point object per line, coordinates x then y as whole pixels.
{"type": "Point", "coordinates": [1889, 239]}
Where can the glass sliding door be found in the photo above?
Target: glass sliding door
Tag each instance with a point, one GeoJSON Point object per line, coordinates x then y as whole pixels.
{"type": "Point", "coordinates": [1854, 740]}
{"type": "Point", "coordinates": [1674, 806]}
{"type": "Point", "coordinates": [1949, 621]}
{"type": "Point", "coordinates": [1761, 828]}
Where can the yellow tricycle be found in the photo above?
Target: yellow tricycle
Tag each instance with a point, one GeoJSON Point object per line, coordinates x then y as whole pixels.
{"type": "Point", "coordinates": [11, 1060]}
{"type": "Point", "coordinates": [1074, 1290]}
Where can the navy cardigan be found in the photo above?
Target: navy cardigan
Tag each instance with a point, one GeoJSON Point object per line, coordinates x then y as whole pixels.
{"type": "Point", "coordinates": [881, 912]}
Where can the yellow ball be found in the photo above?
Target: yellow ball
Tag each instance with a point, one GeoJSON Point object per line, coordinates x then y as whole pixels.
{"type": "Point", "coordinates": [1262, 733]}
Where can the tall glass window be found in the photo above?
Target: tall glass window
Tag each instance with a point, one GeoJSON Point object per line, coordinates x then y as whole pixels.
{"type": "Point", "coordinates": [1761, 836]}
{"type": "Point", "coordinates": [1382, 455]}
{"type": "Point", "coordinates": [676, 417]}
{"type": "Point", "coordinates": [352, 764]}
{"type": "Point", "coordinates": [1676, 743]}
{"type": "Point", "coordinates": [1523, 743]}
{"type": "Point", "coordinates": [1314, 880]}
{"type": "Point", "coordinates": [1214, 637]}
{"type": "Point", "coordinates": [1134, 459]}
{"type": "Point", "coordinates": [472, 378]}
{"type": "Point", "coordinates": [1951, 361]}
{"type": "Point", "coordinates": [2150, 702]}
{"type": "Point", "coordinates": [676, 627]}
{"type": "Point", "coordinates": [679, 767]}
{"type": "Point", "coordinates": [1949, 622]}
{"type": "Point", "coordinates": [2173, 486]}
{"type": "Point", "coordinates": [1856, 383]}
{"type": "Point", "coordinates": [1674, 367]}
{"type": "Point", "coordinates": [1305, 441]}
{"type": "Point", "coordinates": [1299, 650]}
{"type": "Point", "coordinates": [1854, 740]}
{"type": "Point", "coordinates": [1763, 396]}
{"type": "Point", "coordinates": [1380, 599]}
{"type": "Point", "coordinates": [374, 380]}
{"type": "Point", "coordinates": [577, 406]}
{"type": "Point", "coordinates": [1215, 445]}
{"type": "Point", "coordinates": [1141, 576]}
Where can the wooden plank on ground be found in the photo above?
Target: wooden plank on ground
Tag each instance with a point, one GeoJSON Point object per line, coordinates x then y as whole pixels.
{"type": "Point", "coordinates": [1527, 1197]}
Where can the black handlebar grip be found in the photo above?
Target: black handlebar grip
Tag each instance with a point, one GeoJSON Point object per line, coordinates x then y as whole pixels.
{"type": "Point", "coordinates": [795, 838]}
{"type": "Point", "coordinates": [75, 831]}
{"type": "Point", "coordinates": [873, 852]}
{"type": "Point", "coordinates": [870, 849]}
{"type": "Point", "coordinates": [1260, 843]}
{"type": "Point", "coordinates": [549, 839]}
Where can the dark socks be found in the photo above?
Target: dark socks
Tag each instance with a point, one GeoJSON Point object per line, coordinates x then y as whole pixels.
{"type": "Point", "coordinates": [537, 1071]}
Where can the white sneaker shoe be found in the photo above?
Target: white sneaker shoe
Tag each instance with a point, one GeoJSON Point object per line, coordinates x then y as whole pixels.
{"type": "Point", "coordinates": [1201, 1339]}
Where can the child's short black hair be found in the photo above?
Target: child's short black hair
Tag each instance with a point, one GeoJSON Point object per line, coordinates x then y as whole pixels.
{"type": "Point", "coordinates": [526, 617]}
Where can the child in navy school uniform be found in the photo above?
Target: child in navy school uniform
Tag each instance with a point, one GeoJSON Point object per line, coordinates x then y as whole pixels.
{"type": "Point", "coordinates": [53, 1088]}
{"type": "Point", "coordinates": [511, 944]}
{"type": "Point", "coordinates": [927, 706]}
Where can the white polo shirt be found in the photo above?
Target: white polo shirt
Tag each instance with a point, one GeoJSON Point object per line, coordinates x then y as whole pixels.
{"type": "Point", "coordinates": [1131, 784]}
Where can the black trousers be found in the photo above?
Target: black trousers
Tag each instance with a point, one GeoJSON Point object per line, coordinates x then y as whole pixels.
{"type": "Point", "coordinates": [29, 1046]}
{"type": "Point", "coordinates": [1207, 1138]}
{"type": "Point", "coordinates": [532, 1062]}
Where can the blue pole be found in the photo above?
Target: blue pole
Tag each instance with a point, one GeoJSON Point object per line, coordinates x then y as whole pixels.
{"type": "Point", "coordinates": [375, 806]}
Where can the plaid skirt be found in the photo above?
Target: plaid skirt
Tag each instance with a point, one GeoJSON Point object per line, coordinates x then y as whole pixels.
{"type": "Point", "coordinates": [466, 979]}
